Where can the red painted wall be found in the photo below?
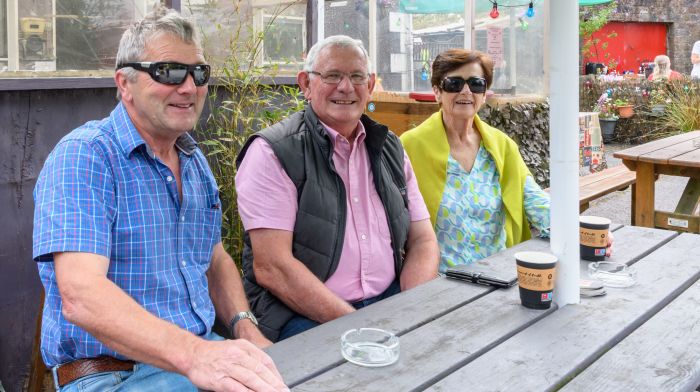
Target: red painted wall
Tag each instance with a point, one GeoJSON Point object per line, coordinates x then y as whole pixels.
{"type": "Point", "coordinates": [636, 42]}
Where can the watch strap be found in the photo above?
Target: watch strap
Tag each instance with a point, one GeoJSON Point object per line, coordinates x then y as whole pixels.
{"type": "Point", "coordinates": [238, 317]}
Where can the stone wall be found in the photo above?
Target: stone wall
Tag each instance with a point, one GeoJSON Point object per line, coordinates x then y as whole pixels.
{"type": "Point", "coordinates": [682, 18]}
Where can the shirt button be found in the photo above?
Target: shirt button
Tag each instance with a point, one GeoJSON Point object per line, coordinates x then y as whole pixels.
{"type": "Point", "coordinates": [169, 178]}
{"type": "Point", "coordinates": [184, 263]}
{"type": "Point", "coordinates": [355, 199]}
{"type": "Point", "coordinates": [364, 237]}
{"type": "Point", "coordinates": [182, 219]}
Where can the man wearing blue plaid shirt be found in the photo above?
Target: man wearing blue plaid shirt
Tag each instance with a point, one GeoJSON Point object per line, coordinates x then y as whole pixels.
{"type": "Point", "coordinates": [127, 236]}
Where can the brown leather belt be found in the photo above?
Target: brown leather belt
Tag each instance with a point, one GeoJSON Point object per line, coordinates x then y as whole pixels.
{"type": "Point", "coordinates": [72, 371]}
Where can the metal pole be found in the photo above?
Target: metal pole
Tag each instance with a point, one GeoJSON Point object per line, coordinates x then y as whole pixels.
{"type": "Point", "coordinates": [563, 152]}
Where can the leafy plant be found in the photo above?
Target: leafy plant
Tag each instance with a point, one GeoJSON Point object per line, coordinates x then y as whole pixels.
{"type": "Point", "coordinates": [242, 102]}
{"type": "Point", "coordinates": [592, 19]}
{"type": "Point", "coordinates": [606, 108]}
{"type": "Point", "coordinates": [683, 106]}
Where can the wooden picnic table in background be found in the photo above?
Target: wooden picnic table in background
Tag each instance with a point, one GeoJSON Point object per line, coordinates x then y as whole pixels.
{"type": "Point", "coordinates": [458, 336]}
{"type": "Point", "coordinates": [677, 155]}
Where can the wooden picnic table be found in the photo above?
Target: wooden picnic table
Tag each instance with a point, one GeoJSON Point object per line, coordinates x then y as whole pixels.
{"type": "Point", "coordinates": [458, 336]}
{"type": "Point", "coordinates": [677, 155]}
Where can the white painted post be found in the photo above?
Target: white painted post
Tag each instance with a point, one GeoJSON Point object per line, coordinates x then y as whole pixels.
{"type": "Point", "coordinates": [321, 16]}
{"type": "Point", "coordinates": [563, 151]}
{"type": "Point", "coordinates": [469, 24]}
{"type": "Point", "coordinates": [373, 34]}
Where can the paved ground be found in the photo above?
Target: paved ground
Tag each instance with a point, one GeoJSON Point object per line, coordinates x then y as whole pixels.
{"type": "Point", "coordinates": [617, 205]}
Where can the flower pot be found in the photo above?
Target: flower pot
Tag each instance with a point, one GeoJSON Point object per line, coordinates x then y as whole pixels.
{"type": "Point", "coordinates": [625, 111]}
{"type": "Point", "coordinates": [607, 129]}
{"type": "Point", "coordinates": [658, 110]}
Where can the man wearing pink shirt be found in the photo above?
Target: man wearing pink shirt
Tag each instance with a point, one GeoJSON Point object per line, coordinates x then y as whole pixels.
{"type": "Point", "coordinates": [333, 216]}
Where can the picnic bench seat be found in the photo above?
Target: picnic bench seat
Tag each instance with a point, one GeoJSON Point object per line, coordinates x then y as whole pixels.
{"type": "Point", "coordinates": [603, 182]}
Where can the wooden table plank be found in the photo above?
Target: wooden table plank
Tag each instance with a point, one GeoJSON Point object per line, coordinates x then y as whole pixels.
{"type": "Point", "coordinates": [634, 153]}
{"type": "Point", "coordinates": [436, 347]}
{"type": "Point", "coordinates": [548, 353]}
{"type": "Point", "coordinates": [689, 159]}
{"type": "Point", "coordinates": [668, 153]}
{"type": "Point", "coordinates": [321, 345]}
{"type": "Point", "coordinates": [655, 357]}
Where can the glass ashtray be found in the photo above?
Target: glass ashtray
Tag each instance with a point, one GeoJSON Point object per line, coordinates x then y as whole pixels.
{"type": "Point", "coordinates": [612, 274]}
{"type": "Point", "coordinates": [370, 347]}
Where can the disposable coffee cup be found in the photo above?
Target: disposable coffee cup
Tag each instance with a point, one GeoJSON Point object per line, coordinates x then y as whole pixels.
{"type": "Point", "coordinates": [594, 232]}
{"type": "Point", "coordinates": [536, 273]}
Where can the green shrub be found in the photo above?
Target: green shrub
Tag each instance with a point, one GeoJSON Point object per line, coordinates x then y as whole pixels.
{"type": "Point", "coordinates": [242, 102]}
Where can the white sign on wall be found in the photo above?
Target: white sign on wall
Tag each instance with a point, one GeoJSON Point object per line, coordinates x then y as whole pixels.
{"type": "Point", "coordinates": [494, 44]}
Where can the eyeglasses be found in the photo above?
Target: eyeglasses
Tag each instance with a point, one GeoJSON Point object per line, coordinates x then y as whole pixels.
{"type": "Point", "coordinates": [337, 77]}
{"type": "Point", "coordinates": [455, 84]}
{"type": "Point", "coordinates": [172, 73]}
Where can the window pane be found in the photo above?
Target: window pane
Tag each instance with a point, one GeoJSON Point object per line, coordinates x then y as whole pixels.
{"type": "Point", "coordinates": [59, 36]}
{"type": "Point", "coordinates": [247, 33]}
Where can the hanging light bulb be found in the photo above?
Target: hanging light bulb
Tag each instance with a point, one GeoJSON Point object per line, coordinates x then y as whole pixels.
{"type": "Point", "coordinates": [494, 11]}
{"type": "Point", "coordinates": [530, 10]}
{"type": "Point", "coordinates": [523, 23]}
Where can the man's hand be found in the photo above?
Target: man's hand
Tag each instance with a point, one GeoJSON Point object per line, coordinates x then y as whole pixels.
{"type": "Point", "coordinates": [233, 365]}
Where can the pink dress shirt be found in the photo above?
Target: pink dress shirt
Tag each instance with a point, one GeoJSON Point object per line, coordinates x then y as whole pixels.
{"type": "Point", "coordinates": [267, 198]}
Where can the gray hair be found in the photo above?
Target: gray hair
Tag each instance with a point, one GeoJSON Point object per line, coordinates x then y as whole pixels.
{"type": "Point", "coordinates": [161, 20]}
{"type": "Point", "coordinates": [342, 41]}
{"type": "Point", "coordinates": [662, 67]}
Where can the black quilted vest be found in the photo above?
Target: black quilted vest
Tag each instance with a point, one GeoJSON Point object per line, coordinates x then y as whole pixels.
{"type": "Point", "coordinates": [304, 150]}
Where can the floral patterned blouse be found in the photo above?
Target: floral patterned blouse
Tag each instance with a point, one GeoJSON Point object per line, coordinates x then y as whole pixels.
{"type": "Point", "coordinates": [470, 223]}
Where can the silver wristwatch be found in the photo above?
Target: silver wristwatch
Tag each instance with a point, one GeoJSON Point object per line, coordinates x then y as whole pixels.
{"type": "Point", "coordinates": [240, 316]}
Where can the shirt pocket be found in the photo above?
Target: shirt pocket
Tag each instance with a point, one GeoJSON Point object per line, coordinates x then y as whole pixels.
{"type": "Point", "coordinates": [201, 231]}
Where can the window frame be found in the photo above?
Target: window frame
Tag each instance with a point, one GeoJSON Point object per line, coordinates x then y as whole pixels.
{"type": "Point", "coordinates": [82, 82]}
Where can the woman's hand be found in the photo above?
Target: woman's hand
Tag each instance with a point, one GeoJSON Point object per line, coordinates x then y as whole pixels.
{"type": "Point", "coordinates": [608, 248]}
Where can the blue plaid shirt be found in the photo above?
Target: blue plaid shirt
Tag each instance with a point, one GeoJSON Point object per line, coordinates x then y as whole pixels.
{"type": "Point", "coordinates": [103, 191]}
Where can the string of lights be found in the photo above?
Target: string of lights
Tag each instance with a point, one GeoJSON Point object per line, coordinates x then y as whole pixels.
{"type": "Point", "coordinates": [494, 11]}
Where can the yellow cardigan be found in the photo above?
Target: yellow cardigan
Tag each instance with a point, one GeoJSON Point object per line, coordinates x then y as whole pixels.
{"type": "Point", "coordinates": [428, 150]}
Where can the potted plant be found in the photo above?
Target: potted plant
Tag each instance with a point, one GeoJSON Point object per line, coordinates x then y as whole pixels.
{"type": "Point", "coordinates": [607, 117]}
{"type": "Point", "coordinates": [624, 107]}
{"type": "Point", "coordinates": [657, 102]}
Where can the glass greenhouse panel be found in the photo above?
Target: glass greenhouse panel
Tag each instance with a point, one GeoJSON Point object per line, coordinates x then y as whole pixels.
{"type": "Point", "coordinates": [61, 36]}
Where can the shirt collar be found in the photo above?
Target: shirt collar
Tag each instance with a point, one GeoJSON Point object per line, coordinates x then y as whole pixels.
{"type": "Point", "coordinates": [335, 135]}
{"type": "Point", "coordinates": [129, 139]}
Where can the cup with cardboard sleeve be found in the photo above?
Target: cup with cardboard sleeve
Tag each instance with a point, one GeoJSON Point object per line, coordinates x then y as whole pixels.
{"type": "Point", "coordinates": [536, 274]}
{"type": "Point", "coordinates": [593, 232]}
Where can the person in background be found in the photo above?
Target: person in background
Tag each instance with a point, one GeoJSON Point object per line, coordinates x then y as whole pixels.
{"type": "Point", "coordinates": [127, 237]}
{"type": "Point", "coordinates": [695, 59]}
{"type": "Point", "coordinates": [480, 194]}
{"type": "Point", "coordinates": [333, 216]}
{"type": "Point", "coordinates": [662, 69]}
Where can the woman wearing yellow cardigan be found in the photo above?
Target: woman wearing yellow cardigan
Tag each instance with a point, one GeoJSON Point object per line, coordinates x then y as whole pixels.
{"type": "Point", "coordinates": [481, 196]}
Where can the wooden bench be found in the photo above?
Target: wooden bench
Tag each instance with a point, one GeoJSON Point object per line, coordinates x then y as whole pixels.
{"type": "Point", "coordinates": [603, 182]}
{"type": "Point", "coordinates": [599, 184]}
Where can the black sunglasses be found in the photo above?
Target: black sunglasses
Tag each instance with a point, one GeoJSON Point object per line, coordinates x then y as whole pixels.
{"type": "Point", "coordinates": [455, 84]}
{"type": "Point", "coordinates": [172, 73]}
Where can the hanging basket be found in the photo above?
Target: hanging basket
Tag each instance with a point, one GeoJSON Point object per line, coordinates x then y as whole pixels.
{"type": "Point", "coordinates": [625, 111]}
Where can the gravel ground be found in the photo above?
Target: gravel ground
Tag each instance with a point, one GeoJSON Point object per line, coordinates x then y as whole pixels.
{"type": "Point", "coordinates": [617, 205]}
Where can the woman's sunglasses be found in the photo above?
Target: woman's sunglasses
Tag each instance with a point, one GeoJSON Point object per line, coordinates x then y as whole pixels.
{"type": "Point", "coordinates": [172, 73]}
{"type": "Point", "coordinates": [455, 84]}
